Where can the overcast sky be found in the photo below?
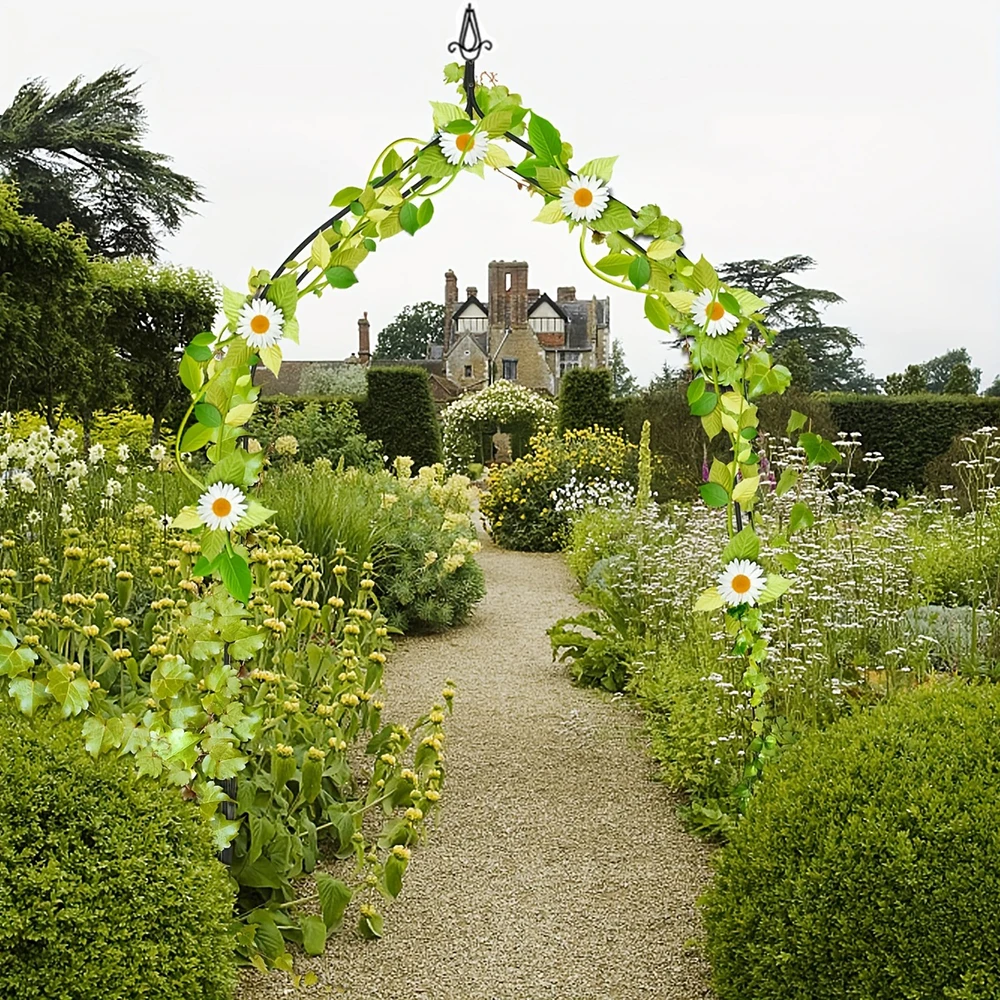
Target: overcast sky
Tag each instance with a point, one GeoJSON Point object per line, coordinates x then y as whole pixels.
{"type": "Point", "coordinates": [864, 134]}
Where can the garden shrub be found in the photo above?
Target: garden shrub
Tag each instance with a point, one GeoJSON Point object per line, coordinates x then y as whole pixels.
{"type": "Point", "coordinates": [910, 432]}
{"type": "Point", "coordinates": [322, 429]}
{"type": "Point", "coordinates": [585, 400]}
{"type": "Point", "coordinates": [109, 885]}
{"type": "Point", "coordinates": [400, 413]}
{"type": "Point", "coordinates": [529, 503]}
{"type": "Point", "coordinates": [868, 864]}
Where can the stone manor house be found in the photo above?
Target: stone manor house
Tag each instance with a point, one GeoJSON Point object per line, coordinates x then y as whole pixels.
{"type": "Point", "coordinates": [518, 333]}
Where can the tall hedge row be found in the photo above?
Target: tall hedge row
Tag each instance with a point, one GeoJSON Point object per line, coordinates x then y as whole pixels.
{"type": "Point", "coordinates": [910, 431]}
{"type": "Point", "coordinates": [585, 400]}
{"type": "Point", "coordinates": [400, 413]}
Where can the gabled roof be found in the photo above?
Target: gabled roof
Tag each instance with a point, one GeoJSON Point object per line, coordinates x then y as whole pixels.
{"type": "Point", "coordinates": [478, 341]}
{"type": "Point", "coordinates": [470, 301]}
{"type": "Point", "coordinates": [555, 305]}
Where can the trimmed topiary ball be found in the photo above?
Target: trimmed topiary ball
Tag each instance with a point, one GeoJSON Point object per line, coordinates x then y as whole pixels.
{"type": "Point", "coordinates": [109, 885]}
{"type": "Point", "coordinates": [868, 865]}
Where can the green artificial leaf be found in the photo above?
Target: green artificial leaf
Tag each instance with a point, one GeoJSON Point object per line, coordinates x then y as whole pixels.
{"type": "Point", "coordinates": [681, 301]}
{"type": "Point", "coordinates": [232, 304]}
{"type": "Point", "coordinates": [235, 575]}
{"type": "Point", "coordinates": [497, 157]}
{"type": "Point", "coordinates": [743, 545]}
{"type": "Point", "coordinates": [545, 139]}
{"type": "Point", "coordinates": [212, 543]}
{"type": "Point", "coordinates": [284, 293]}
{"type": "Point", "coordinates": [745, 491]}
{"type": "Point", "coordinates": [256, 515]}
{"type": "Point", "coordinates": [712, 424]}
{"type": "Point", "coordinates": [408, 218]}
{"type": "Point", "coordinates": [789, 477]}
{"type": "Point", "coordinates": [460, 126]}
{"type": "Point", "coordinates": [191, 373]}
{"type": "Point", "coordinates": [528, 166]}
{"type": "Point", "coordinates": [599, 168]}
{"type": "Point", "coordinates": [800, 517]}
{"type": "Point", "coordinates": [345, 196]}
{"type": "Point", "coordinates": [207, 414]}
{"type": "Point", "coordinates": [818, 450]}
{"type": "Point", "coordinates": [615, 264]}
{"type": "Point", "coordinates": [696, 389]}
{"type": "Point", "coordinates": [713, 495]}
{"type": "Point", "coordinates": [270, 357]}
{"type": "Point", "coordinates": [339, 276]}
{"type": "Point", "coordinates": [313, 935]}
{"type": "Point", "coordinates": [639, 272]}
{"type": "Point", "coordinates": [425, 213]}
{"type": "Point", "coordinates": [704, 405]}
{"type": "Point", "coordinates": [553, 179]}
{"type": "Point", "coordinates": [749, 303]}
{"type": "Point", "coordinates": [453, 72]}
{"type": "Point", "coordinates": [392, 162]}
{"type": "Point", "coordinates": [663, 249]}
{"type": "Point", "coordinates": [773, 588]}
{"type": "Point", "coordinates": [445, 113]}
{"type": "Point", "coordinates": [196, 437]}
{"type": "Point", "coordinates": [710, 600]}
{"type": "Point", "coordinates": [500, 121]}
{"type": "Point", "coordinates": [334, 898]}
{"type": "Point", "coordinates": [705, 275]}
{"type": "Point", "coordinates": [319, 252]}
{"type": "Point", "coordinates": [729, 303]}
{"type": "Point", "coordinates": [615, 217]}
{"type": "Point", "coordinates": [198, 352]}
{"type": "Point", "coordinates": [796, 422]}
{"type": "Point", "coordinates": [551, 213]}
{"type": "Point", "coordinates": [721, 473]}
{"type": "Point", "coordinates": [432, 163]}
{"type": "Point", "coordinates": [187, 519]}
{"type": "Point", "coordinates": [657, 314]}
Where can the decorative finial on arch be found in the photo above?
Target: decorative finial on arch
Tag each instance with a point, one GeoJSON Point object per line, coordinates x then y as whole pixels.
{"type": "Point", "coordinates": [470, 42]}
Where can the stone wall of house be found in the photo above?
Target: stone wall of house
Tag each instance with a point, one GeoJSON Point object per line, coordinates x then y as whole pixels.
{"type": "Point", "coordinates": [465, 355]}
{"type": "Point", "coordinates": [532, 368]}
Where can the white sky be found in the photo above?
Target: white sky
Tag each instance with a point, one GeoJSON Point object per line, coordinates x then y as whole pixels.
{"type": "Point", "coordinates": [864, 134]}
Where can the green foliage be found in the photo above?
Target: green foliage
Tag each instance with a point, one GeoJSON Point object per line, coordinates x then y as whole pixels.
{"type": "Point", "coordinates": [994, 389]}
{"type": "Point", "coordinates": [795, 313]}
{"type": "Point", "coordinates": [961, 382]}
{"type": "Point", "coordinates": [77, 155]}
{"type": "Point", "coordinates": [343, 380]}
{"type": "Point", "coordinates": [938, 370]}
{"type": "Point", "coordinates": [412, 332]}
{"type": "Point", "coordinates": [909, 431]}
{"type": "Point", "coordinates": [875, 842]}
{"type": "Point", "coordinates": [150, 314]}
{"type": "Point", "coordinates": [794, 357]}
{"type": "Point", "coordinates": [416, 532]}
{"type": "Point", "coordinates": [585, 400]}
{"type": "Point", "coordinates": [530, 503]}
{"type": "Point", "coordinates": [327, 429]}
{"type": "Point", "coordinates": [912, 382]}
{"type": "Point", "coordinates": [400, 413]}
{"type": "Point", "coordinates": [623, 382]}
{"type": "Point", "coordinates": [110, 884]}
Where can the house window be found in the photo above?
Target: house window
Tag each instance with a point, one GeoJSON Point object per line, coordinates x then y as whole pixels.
{"type": "Point", "coordinates": [473, 324]}
{"type": "Point", "coordinates": [468, 371]}
{"type": "Point", "coordinates": [567, 360]}
{"type": "Point", "coordinates": [547, 324]}
{"type": "Point", "coordinates": [510, 369]}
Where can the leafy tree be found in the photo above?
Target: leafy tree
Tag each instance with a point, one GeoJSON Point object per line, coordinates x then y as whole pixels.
{"type": "Point", "coordinates": [411, 332]}
{"type": "Point", "coordinates": [938, 370]}
{"type": "Point", "coordinates": [793, 356]}
{"type": "Point", "coordinates": [77, 156]}
{"type": "Point", "coordinates": [909, 383]}
{"type": "Point", "coordinates": [54, 351]}
{"type": "Point", "coordinates": [794, 312]}
{"type": "Point", "coordinates": [623, 382]}
{"type": "Point", "coordinates": [668, 378]}
{"type": "Point", "coordinates": [150, 313]}
{"type": "Point", "coordinates": [961, 382]}
{"type": "Point", "coordinates": [334, 380]}
{"type": "Point", "coordinates": [994, 389]}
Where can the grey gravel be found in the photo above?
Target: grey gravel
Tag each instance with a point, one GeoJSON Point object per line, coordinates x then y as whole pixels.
{"type": "Point", "coordinates": [557, 868]}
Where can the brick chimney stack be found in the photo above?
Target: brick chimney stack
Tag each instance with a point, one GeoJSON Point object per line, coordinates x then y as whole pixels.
{"type": "Point", "coordinates": [471, 292]}
{"type": "Point", "coordinates": [450, 305]}
{"type": "Point", "coordinates": [533, 295]}
{"type": "Point", "coordinates": [364, 341]}
{"type": "Point", "coordinates": [566, 293]}
{"type": "Point", "coordinates": [508, 293]}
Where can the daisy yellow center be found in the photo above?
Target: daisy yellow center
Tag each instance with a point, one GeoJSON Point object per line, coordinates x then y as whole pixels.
{"type": "Point", "coordinates": [221, 507]}
{"type": "Point", "coordinates": [583, 197]}
{"type": "Point", "coordinates": [715, 310]}
{"type": "Point", "coordinates": [741, 583]}
{"type": "Point", "coordinates": [465, 141]}
{"type": "Point", "coordinates": [260, 324]}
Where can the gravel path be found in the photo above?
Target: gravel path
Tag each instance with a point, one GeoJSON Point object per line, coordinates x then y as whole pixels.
{"type": "Point", "coordinates": [557, 870]}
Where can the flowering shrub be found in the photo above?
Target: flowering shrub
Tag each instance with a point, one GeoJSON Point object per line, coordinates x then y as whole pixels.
{"type": "Point", "coordinates": [530, 503]}
{"type": "Point", "coordinates": [109, 429]}
{"type": "Point", "coordinates": [476, 416]}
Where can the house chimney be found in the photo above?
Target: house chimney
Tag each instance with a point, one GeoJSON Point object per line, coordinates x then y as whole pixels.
{"type": "Point", "coordinates": [471, 292]}
{"type": "Point", "coordinates": [533, 295]}
{"type": "Point", "coordinates": [450, 305]}
{"type": "Point", "coordinates": [364, 342]}
{"type": "Point", "coordinates": [566, 293]}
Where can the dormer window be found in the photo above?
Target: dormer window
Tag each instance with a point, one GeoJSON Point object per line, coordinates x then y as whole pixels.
{"type": "Point", "coordinates": [546, 316]}
{"type": "Point", "coordinates": [471, 317]}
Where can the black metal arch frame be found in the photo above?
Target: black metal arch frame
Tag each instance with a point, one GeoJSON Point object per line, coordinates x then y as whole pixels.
{"type": "Point", "coordinates": [470, 44]}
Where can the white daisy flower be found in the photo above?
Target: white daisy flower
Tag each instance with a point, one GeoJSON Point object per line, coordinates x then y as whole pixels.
{"type": "Point", "coordinates": [453, 146]}
{"type": "Point", "coordinates": [221, 506]}
{"type": "Point", "coordinates": [158, 453]}
{"type": "Point", "coordinates": [96, 454]}
{"type": "Point", "coordinates": [741, 582]}
{"type": "Point", "coordinates": [709, 312]}
{"type": "Point", "coordinates": [260, 323]}
{"type": "Point", "coordinates": [584, 198]}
